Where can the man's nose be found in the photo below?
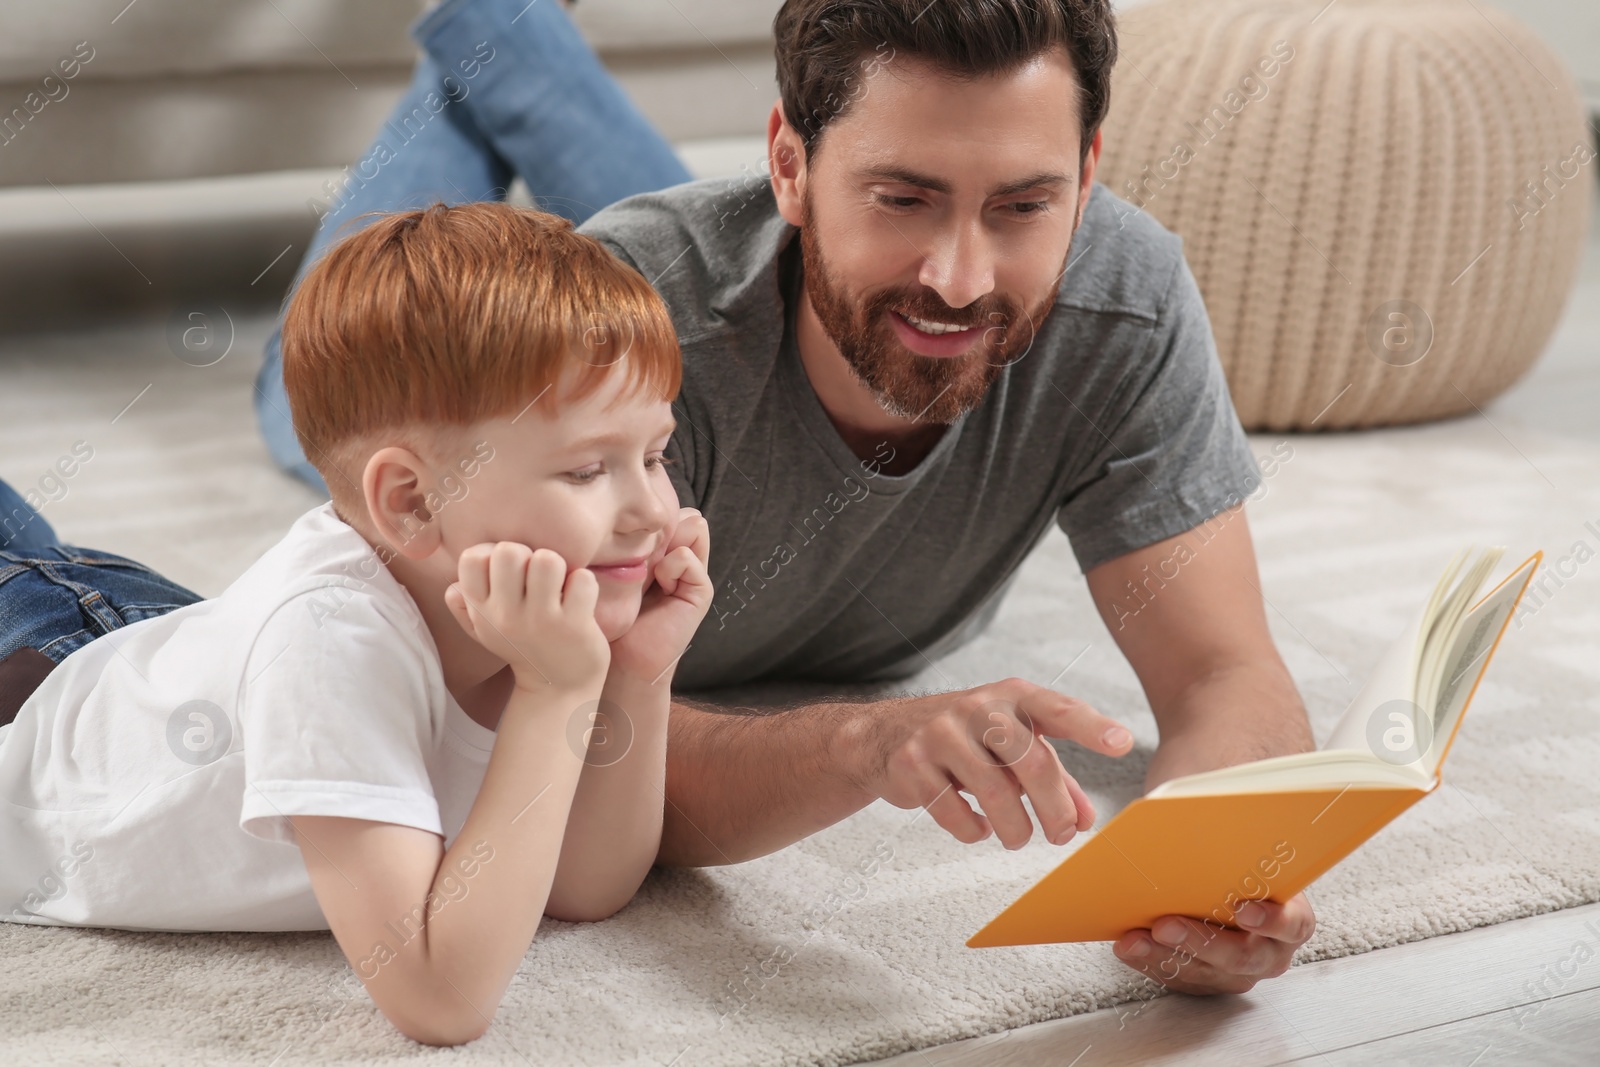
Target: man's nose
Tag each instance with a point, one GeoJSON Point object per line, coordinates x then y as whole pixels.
{"type": "Point", "coordinates": [960, 265]}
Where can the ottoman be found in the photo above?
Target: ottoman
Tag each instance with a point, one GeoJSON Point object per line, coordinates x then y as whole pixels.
{"type": "Point", "coordinates": [1384, 202]}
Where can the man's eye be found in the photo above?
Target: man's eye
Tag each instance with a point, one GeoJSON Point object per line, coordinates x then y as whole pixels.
{"type": "Point", "coordinates": [1033, 207]}
{"type": "Point", "coordinates": [896, 201]}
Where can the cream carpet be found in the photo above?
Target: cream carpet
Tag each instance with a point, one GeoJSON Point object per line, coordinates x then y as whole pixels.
{"type": "Point", "coordinates": [848, 946]}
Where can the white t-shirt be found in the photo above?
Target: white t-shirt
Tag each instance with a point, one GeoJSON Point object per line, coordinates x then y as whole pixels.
{"type": "Point", "coordinates": [147, 783]}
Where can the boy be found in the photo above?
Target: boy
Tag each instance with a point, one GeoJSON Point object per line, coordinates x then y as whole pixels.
{"type": "Point", "coordinates": [448, 685]}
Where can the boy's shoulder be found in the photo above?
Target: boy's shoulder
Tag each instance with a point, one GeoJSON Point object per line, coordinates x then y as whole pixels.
{"type": "Point", "coordinates": [321, 571]}
{"type": "Point", "coordinates": [322, 565]}
{"type": "Point", "coordinates": [318, 549]}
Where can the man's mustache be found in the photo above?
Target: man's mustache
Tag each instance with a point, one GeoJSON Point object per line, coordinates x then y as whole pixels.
{"type": "Point", "coordinates": [997, 314]}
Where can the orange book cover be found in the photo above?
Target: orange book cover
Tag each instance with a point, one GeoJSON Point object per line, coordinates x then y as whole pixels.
{"type": "Point", "coordinates": [1205, 855]}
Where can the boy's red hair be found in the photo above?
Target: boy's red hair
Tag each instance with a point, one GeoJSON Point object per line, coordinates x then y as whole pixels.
{"type": "Point", "coordinates": [450, 315]}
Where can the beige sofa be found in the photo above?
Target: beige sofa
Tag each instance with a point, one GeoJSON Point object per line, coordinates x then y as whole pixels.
{"type": "Point", "coordinates": [181, 89]}
{"type": "Point", "coordinates": [152, 149]}
{"type": "Point", "coordinates": [181, 154]}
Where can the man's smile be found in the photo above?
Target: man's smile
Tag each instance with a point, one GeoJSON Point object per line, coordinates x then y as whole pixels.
{"type": "Point", "coordinates": [938, 340]}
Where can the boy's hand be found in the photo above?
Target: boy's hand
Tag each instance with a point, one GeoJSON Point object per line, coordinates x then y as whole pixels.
{"type": "Point", "coordinates": [673, 604]}
{"type": "Point", "coordinates": [521, 604]}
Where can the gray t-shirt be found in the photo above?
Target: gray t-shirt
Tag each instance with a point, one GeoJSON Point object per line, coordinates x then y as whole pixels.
{"type": "Point", "coordinates": [1117, 425]}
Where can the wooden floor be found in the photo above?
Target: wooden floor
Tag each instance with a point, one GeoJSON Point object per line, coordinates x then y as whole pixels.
{"type": "Point", "coordinates": [1525, 992]}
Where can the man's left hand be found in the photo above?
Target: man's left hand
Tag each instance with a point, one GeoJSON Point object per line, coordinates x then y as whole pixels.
{"type": "Point", "coordinates": [1191, 956]}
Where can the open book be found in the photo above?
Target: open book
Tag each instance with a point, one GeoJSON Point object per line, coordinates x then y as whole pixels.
{"type": "Point", "coordinates": [1205, 844]}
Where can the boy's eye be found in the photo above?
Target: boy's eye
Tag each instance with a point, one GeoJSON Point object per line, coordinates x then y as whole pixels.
{"type": "Point", "coordinates": [589, 474]}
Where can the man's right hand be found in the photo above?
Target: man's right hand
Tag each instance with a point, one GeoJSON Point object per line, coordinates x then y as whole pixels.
{"type": "Point", "coordinates": [990, 742]}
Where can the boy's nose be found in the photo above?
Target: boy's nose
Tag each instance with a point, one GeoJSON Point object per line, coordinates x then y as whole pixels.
{"type": "Point", "coordinates": [645, 512]}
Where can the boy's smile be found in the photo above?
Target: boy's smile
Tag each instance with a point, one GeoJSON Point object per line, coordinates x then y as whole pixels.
{"type": "Point", "coordinates": [584, 478]}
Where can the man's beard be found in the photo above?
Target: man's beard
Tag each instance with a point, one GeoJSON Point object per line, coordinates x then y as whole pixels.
{"type": "Point", "coordinates": [905, 384]}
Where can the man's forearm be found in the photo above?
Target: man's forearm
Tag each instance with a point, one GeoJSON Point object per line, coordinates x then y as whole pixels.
{"type": "Point", "coordinates": [1231, 715]}
{"type": "Point", "coordinates": [741, 785]}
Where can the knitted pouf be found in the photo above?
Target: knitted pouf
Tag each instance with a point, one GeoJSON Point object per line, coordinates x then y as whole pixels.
{"type": "Point", "coordinates": [1384, 202]}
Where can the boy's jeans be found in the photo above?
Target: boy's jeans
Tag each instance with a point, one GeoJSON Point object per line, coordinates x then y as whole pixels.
{"type": "Point", "coordinates": [57, 598]}
{"type": "Point", "coordinates": [505, 88]}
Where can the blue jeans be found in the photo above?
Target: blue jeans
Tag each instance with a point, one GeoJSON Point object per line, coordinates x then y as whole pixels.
{"type": "Point", "coordinates": [505, 88]}
{"type": "Point", "coordinates": [57, 598]}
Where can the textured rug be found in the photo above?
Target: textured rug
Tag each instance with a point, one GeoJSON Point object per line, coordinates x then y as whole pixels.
{"type": "Point", "coordinates": [849, 946]}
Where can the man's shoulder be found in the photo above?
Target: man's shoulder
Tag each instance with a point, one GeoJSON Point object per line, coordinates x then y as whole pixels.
{"type": "Point", "coordinates": [710, 248]}
{"type": "Point", "coordinates": [1122, 261]}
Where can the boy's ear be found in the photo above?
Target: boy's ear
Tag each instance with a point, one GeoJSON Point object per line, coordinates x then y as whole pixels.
{"type": "Point", "coordinates": [786, 162]}
{"type": "Point", "coordinates": [394, 486]}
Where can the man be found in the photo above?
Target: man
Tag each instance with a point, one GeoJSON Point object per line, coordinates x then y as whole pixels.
{"type": "Point", "coordinates": [929, 335]}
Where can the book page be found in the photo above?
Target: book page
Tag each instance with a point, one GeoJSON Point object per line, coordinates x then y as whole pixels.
{"type": "Point", "coordinates": [1469, 654]}
{"type": "Point", "coordinates": [1393, 703]}
{"type": "Point", "coordinates": [1391, 679]}
{"type": "Point", "coordinates": [1332, 770]}
{"type": "Point", "coordinates": [1434, 668]}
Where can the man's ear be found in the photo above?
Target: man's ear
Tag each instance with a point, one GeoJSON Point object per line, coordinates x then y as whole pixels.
{"type": "Point", "coordinates": [786, 160]}
{"type": "Point", "coordinates": [394, 484]}
{"type": "Point", "coordinates": [1091, 160]}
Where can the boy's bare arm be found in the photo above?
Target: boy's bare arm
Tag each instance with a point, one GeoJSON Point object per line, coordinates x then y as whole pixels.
{"type": "Point", "coordinates": [436, 935]}
{"type": "Point", "coordinates": [614, 831]}
{"type": "Point", "coordinates": [464, 917]}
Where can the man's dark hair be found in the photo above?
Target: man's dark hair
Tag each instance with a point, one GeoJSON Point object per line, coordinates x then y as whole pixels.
{"type": "Point", "coordinates": [826, 49]}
